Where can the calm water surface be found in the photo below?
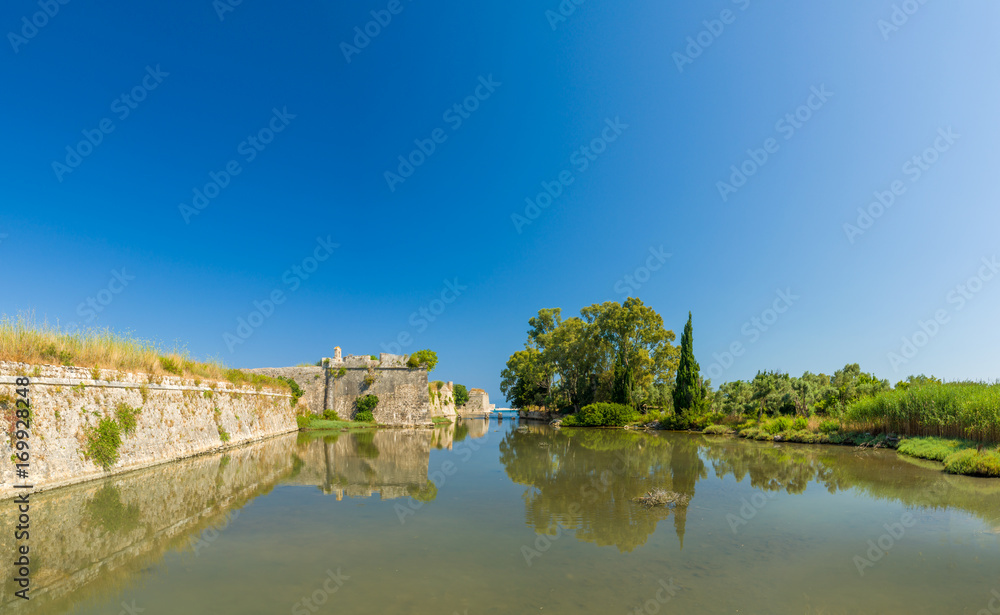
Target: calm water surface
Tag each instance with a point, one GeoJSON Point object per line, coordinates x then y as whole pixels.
{"type": "Point", "coordinates": [488, 518]}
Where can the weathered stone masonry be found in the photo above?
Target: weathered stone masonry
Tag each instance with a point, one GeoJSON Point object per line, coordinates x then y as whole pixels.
{"type": "Point", "coordinates": [179, 419]}
{"type": "Point", "coordinates": [401, 391]}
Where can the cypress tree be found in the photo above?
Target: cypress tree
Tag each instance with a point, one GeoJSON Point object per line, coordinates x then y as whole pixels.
{"type": "Point", "coordinates": [689, 392]}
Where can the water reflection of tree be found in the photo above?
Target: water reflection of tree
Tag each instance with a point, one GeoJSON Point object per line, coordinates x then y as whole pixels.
{"type": "Point", "coordinates": [585, 480]}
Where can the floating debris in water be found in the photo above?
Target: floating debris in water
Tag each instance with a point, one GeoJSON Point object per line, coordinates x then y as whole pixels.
{"type": "Point", "coordinates": [662, 497]}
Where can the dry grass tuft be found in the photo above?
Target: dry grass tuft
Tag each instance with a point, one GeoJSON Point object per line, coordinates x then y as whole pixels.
{"type": "Point", "coordinates": [662, 497]}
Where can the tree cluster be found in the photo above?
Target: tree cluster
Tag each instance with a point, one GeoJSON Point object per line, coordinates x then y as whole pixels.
{"type": "Point", "coordinates": [612, 352]}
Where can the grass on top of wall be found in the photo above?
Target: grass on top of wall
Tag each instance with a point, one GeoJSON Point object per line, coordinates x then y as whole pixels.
{"type": "Point", "coordinates": [23, 340]}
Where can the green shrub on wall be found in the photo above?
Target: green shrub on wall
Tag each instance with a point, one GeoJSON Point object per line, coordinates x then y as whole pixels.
{"type": "Point", "coordinates": [103, 443]}
{"type": "Point", "coordinates": [421, 358]}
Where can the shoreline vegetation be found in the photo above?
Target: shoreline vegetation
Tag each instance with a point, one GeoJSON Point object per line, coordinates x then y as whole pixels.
{"type": "Point", "coordinates": [615, 367]}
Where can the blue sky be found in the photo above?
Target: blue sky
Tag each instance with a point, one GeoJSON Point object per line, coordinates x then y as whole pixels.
{"type": "Point", "coordinates": [290, 120]}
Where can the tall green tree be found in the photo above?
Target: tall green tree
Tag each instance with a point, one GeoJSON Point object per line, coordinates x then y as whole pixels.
{"type": "Point", "coordinates": [690, 392]}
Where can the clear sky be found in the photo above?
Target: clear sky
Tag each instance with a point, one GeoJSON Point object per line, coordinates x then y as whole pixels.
{"type": "Point", "coordinates": [290, 121]}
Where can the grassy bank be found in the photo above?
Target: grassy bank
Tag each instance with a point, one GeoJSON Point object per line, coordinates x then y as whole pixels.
{"type": "Point", "coordinates": [957, 410]}
{"type": "Point", "coordinates": [24, 341]}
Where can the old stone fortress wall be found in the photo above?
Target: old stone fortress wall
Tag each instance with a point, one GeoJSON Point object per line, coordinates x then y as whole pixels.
{"type": "Point", "coordinates": [404, 394]}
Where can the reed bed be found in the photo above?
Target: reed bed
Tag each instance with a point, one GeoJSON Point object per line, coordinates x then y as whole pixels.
{"type": "Point", "coordinates": [964, 410]}
{"type": "Point", "coordinates": [23, 340]}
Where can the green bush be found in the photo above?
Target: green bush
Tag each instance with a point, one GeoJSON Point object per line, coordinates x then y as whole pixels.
{"type": "Point", "coordinates": [364, 416]}
{"type": "Point", "coordinates": [341, 372]}
{"type": "Point", "coordinates": [330, 415]}
{"type": "Point", "coordinates": [367, 403]}
{"type": "Point", "coordinates": [829, 426]}
{"type": "Point", "coordinates": [461, 395]}
{"type": "Point", "coordinates": [297, 391]}
{"type": "Point", "coordinates": [103, 443]}
{"type": "Point", "coordinates": [717, 430]}
{"type": "Point", "coordinates": [126, 417]}
{"type": "Point", "coordinates": [778, 425]}
{"type": "Point", "coordinates": [973, 462]}
{"type": "Point", "coordinates": [303, 421]}
{"type": "Point", "coordinates": [421, 358]}
{"type": "Point", "coordinates": [800, 423]}
{"type": "Point", "coordinates": [223, 434]}
{"type": "Point", "coordinates": [606, 415]}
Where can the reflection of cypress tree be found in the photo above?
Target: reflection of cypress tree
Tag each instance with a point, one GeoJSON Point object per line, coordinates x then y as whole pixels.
{"type": "Point", "coordinates": [686, 468]}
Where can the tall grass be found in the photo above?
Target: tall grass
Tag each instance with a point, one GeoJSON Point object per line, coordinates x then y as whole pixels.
{"type": "Point", "coordinates": [968, 410]}
{"type": "Point", "coordinates": [23, 340]}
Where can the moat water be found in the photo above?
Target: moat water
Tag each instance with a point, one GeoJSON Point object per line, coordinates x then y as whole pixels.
{"type": "Point", "coordinates": [496, 518]}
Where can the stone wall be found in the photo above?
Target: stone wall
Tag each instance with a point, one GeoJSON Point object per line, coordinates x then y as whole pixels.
{"type": "Point", "coordinates": [479, 403]}
{"type": "Point", "coordinates": [179, 418]}
{"type": "Point", "coordinates": [442, 400]}
{"type": "Point", "coordinates": [401, 391]}
{"type": "Point", "coordinates": [312, 380]}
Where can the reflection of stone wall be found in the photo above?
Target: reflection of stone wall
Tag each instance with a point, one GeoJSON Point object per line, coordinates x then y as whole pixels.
{"type": "Point", "coordinates": [179, 418]}
{"type": "Point", "coordinates": [477, 427]}
{"type": "Point", "coordinates": [92, 538]}
{"type": "Point", "coordinates": [392, 463]}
